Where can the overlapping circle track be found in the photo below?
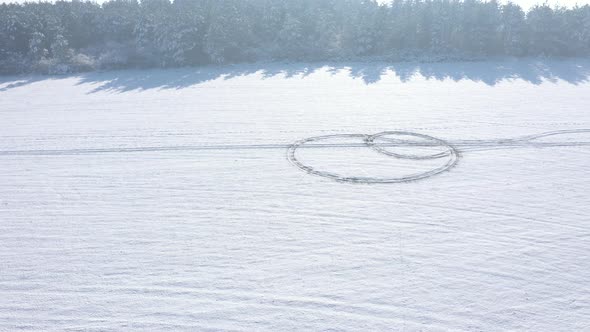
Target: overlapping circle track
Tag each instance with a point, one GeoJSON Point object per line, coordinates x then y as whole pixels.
{"type": "Point", "coordinates": [450, 153]}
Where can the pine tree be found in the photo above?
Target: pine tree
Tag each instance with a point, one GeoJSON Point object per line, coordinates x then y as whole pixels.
{"type": "Point", "coordinates": [60, 49]}
{"type": "Point", "coordinates": [513, 29]}
{"type": "Point", "coordinates": [228, 35]}
{"type": "Point", "coordinates": [290, 38]}
{"type": "Point", "coordinates": [122, 33]}
{"type": "Point", "coordinates": [37, 50]}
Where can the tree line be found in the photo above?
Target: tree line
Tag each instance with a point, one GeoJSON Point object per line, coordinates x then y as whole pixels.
{"type": "Point", "coordinates": [68, 36]}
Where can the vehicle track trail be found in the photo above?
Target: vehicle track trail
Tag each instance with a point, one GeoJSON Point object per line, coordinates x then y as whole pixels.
{"type": "Point", "coordinates": [381, 143]}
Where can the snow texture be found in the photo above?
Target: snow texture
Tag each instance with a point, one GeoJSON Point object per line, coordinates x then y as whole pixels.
{"type": "Point", "coordinates": [164, 200]}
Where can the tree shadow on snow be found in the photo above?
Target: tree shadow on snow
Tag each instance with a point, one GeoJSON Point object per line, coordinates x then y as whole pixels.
{"type": "Point", "coordinates": [13, 82]}
{"type": "Point", "coordinates": [535, 71]}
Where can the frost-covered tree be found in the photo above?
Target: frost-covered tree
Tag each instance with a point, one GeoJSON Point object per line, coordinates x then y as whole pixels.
{"type": "Point", "coordinates": [37, 50]}
{"type": "Point", "coordinates": [545, 31]}
{"type": "Point", "coordinates": [188, 39]}
{"type": "Point", "coordinates": [152, 29]}
{"type": "Point", "coordinates": [229, 33]}
{"type": "Point", "coordinates": [575, 29]}
{"type": "Point", "coordinates": [513, 30]}
{"type": "Point", "coordinates": [361, 27]}
{"type": "Point", "coordinates": [291, 39]}
{"type": "Point", "coordinates": [117, 20]}
{"type": "Point", "coordinates": [127, 33]}
{"type": "Point", "coordinates": [60, 49]}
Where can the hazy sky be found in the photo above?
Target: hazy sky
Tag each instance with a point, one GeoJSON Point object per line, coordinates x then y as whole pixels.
{"type": "Point", "coordinates": [523, 3]}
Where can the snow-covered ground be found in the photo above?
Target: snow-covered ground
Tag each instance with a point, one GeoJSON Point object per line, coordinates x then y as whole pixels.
{"type": "Point", "coordinates": [164, 199]}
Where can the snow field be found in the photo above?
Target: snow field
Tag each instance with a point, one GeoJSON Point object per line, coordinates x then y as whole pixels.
{"type": "Point", "coordinates": [165, 200]}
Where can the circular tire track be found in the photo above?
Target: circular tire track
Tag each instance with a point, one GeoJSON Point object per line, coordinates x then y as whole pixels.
{"type": "Point", "coordinates": [434, 142]}
{"type": "Point", "coordinates": [451, 153]}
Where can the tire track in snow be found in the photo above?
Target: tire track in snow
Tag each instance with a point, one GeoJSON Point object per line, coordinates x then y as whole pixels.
{"type": "Point", "coordinates": [524, 141]}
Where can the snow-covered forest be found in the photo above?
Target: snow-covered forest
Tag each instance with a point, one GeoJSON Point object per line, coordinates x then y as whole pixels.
{"type": "Point", "coordinates": [75, 36]}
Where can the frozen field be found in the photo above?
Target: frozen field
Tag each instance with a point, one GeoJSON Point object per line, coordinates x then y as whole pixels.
{"type": "Point", "coordinates": [165, 200]}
